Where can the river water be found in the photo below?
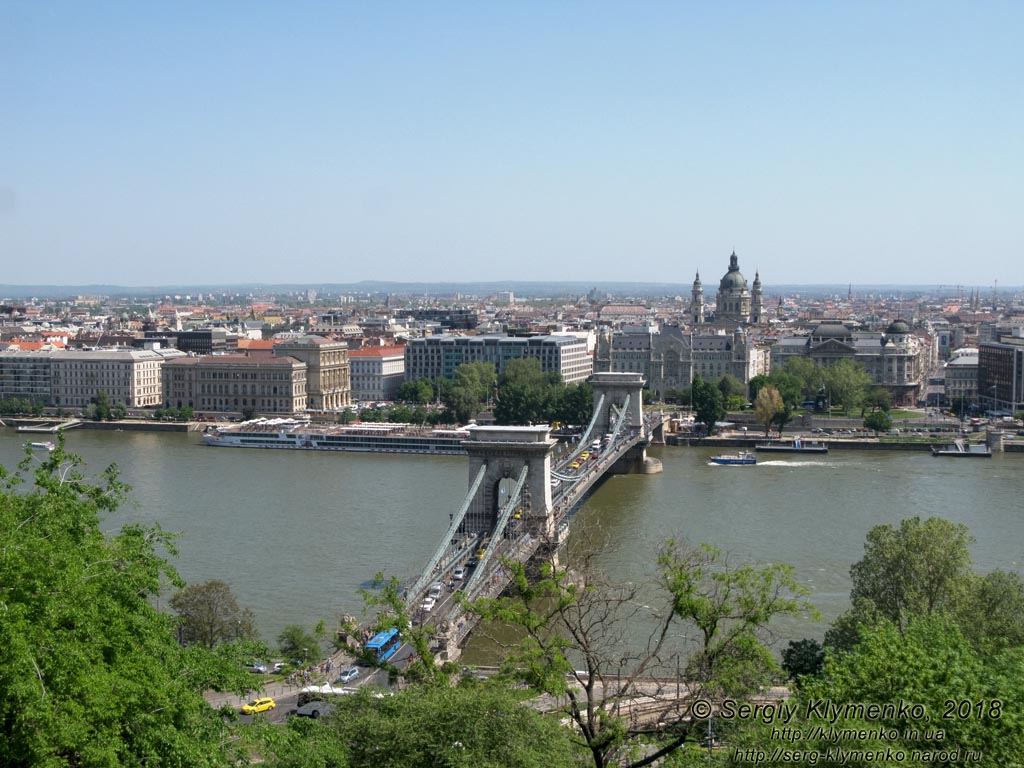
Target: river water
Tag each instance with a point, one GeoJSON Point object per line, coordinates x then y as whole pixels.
{"type": "Point", "coordinates": [297, 533]}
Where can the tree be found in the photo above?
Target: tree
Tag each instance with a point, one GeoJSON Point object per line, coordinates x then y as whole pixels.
{"type": "Point", "coordinates": [210, 615]}
{"type": "Point", "coordinates": [802, 658]}
{"type": "Point", "coordinates": [767, 405]}
{"type": "Point", "coordinates": [930, 663]}
{"type": "Point", "coordinates": [707, 403]}
{"type": "Point", "coordinates": [879, 421]}
{"type": "Point", "coordinates": [877, 399]}
{"type": "Point", "coordinates": [915, 570]}
{"type": "Point", "coordinates": [730, 386]}
{"type": "Point", "coordinates": [466, 725]}
{"type": "Point", "coordinates": [91, 672]}
{"type": "Point", "coordinates": [473, 382]}
{"type": "Point", "coordinates": [420, 391]}
{"type": "Point", "coordinates": [847, 381]}
{"type": "Point", "coordinates": [807, 372]}
{"type": "Point", "coordinates": [101, 406]}
{"type": "Point", "coordinates": [574, 625]}
{"type": "Point", "coordinates": [295, 642]}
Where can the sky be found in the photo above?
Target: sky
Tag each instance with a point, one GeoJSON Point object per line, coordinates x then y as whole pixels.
{"type": "Point", "coordinates": [310, 142]}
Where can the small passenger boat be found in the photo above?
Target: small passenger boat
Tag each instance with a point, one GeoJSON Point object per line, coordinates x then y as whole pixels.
{"type": "Point", "coordinates": [743, 457]}
{"type": "Point", "coordinates": [45, 446]}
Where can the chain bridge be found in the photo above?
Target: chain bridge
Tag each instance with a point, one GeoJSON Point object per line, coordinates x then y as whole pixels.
{"type": "Point", "coordinates": [523, 487]}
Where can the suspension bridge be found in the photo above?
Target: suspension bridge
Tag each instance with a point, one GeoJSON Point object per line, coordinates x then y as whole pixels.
{"type": "Point", "coordinates": [523, 487]}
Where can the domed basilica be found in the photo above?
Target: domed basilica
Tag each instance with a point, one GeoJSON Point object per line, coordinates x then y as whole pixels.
{"type": "Point", "coordinates": [735, 303]}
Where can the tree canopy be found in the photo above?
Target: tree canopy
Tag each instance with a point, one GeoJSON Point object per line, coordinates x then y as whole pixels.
{"type": "Point", "coordinates": [707, 403]}
{"type": "Point", "coordinates": [90, 671]}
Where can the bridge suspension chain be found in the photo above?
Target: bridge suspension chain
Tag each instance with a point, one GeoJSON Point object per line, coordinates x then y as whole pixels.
{"type": "Point", "coordinates": [585, 437]}
{"type": "Point", "coordinates": [619, 418]}
{"type": "Point", "coordinates": [515, 500]}
{"type": "Point", "coordinates": [428, 572]}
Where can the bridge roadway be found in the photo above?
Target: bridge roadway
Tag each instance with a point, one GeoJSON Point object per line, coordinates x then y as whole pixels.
{"type": "Point", "coordinates": [481, 555]}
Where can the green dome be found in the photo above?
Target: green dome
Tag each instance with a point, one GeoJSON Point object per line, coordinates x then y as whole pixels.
{"type": "Point", "coordinates": [898, 327]}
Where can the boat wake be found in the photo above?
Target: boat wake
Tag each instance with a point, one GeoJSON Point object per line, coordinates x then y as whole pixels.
{"type": "Point", "coordinates": [784, 463]}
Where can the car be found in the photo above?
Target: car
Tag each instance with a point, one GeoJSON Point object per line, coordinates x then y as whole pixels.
{"type": "Point", "coordinates": [264, 704]}
{"type": "Point", "coordinates": [314, 709]}
{"type": "Point", "coordinates": [459, 574]}
{"type": "Point", "coordinates": [347, 675]}
{"type": "Point", "coordinates": [257, 668]}
{"type": "Point", "coordinates": [428, 603]}
{"type": "Point", "coordinates": [435, 590]}
{"type": "Point", "coordinates": [279, 666]}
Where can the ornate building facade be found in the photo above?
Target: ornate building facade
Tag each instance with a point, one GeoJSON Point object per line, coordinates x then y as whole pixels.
{"type": "Point", "coordinates": [894, 359]}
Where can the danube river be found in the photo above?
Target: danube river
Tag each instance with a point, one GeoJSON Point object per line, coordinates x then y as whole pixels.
{"type": "Point", "coordinates": [297, 533]}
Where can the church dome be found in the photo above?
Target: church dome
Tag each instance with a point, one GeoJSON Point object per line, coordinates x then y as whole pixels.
{"type": "Point", "coordinates": [898, 327]}
{"type": "Point", "coordinates": [733, 280]}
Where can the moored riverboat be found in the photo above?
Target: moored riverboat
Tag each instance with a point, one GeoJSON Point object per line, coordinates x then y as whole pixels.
{"type": "Point", "coordinates": [798, 445]}
{"type": "Point", "coordinates": [296, 434]}
{"type": "Point", "coordinates": [960, 448]}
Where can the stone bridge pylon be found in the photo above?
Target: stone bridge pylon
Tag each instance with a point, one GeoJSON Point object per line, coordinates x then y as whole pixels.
{"type": "Point", "coordinates": [618, 405]}
{"type": "Point", "coordinates": [504, 452]}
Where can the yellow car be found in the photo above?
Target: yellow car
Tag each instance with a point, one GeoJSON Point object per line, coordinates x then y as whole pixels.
{"type": "Point", "coordinates": [258, 705]}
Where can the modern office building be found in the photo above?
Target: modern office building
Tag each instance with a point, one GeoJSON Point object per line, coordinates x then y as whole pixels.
{"type": "Point", "coordinates": [440, 356]}
{"type": "Point", "coordinates": [1001, 374]}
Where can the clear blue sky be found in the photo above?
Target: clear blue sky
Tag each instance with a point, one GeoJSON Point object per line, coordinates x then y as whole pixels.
{"type": "Point", "coordinates": [864, 142]}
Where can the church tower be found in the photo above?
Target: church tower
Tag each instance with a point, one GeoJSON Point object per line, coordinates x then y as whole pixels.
{"type": "Point", "coordinates": [697, 302]}
{"type": "Point", "coordinates": [756, 301]}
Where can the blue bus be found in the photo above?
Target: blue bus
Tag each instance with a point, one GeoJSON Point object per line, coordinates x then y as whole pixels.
{"type": "Point", "coordinates": [383, 645]}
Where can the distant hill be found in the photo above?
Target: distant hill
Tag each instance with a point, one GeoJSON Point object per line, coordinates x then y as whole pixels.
{"type": "Point", "coordinates": [524, 288]}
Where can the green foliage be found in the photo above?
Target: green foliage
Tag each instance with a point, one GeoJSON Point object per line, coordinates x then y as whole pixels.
{"type": "Point", "coordinates": [807, 373]}
{"type": "Point", "coordinates": [90, 672]}
{"type": "Point", "coordinates": [914, 570]}
{"type": "Point", "coordinates": [210, 615]}
{"type": "Point", "coordinates": [728, 605]}
{"type": "Point", "coordinates": [707, 403]}
{"type": "Point", "coordinates": [879, 421]}
{"type": "Point", "coordinates": [471, 389]}
{"type": "Point", "coordinates": [21, 406]}
{"type": "Point", "coordinates": [578, 621]}
{"type": "Point", "coordinates": [420, 391]}
{"type": "Point", "coordinates": [767, 406]}
{"type": "Point", "coordinates": [846, 382]}
{"type": "Point", "coordinates": [730, 386]}
{"type": "Point", "coordinates": [471, 726]}
{"type": "Point", "coordinates": [527, 395]}
{"type": "Point", "coordinates": [928, 662]}
{"type": "Point", "coordinates": [100, 406]}
{"type": "Point", "coordinates": [803, 657]}
{"type": "Point", "coordinates": [295, 642]}
{"type": "Point", "coordinates": [877, 399]}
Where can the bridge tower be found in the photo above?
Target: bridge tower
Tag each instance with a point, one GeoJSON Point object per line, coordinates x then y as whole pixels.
{"type": "Point", "coordinates": [618, 397]}
{"type": "Point", "coordinates": [505, 451]}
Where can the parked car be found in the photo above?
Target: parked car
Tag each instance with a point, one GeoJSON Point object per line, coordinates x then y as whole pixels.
{"type": "Point", "coordinates": [257, 668]}
{"type": "Point", "coordinates": [314, 709]}
{"type": "Point", "coordinates": [264, 704]}
{"type": "Point", "coordinates": [347, 675]}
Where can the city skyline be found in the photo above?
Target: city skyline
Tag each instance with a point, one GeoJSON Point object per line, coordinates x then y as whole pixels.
{"type": "Point", "coordinates": [585, 143]}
